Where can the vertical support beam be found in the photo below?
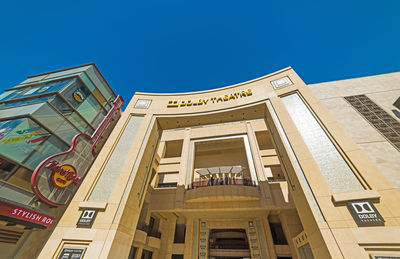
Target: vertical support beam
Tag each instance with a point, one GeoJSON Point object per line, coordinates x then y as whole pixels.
{"type": "Point", "coordinates": [161, 149]}
{"type": "Point", "coordinates": [167, 230]}
{"type": "Point", "coordinates": [291, 227]}
{"type": "Point", "coordinates": [258, 164]}
{"type": "Point", "coordinates": [270, 241]}
{"type": "Point", "coordinates": [184, 158]}
{"type": "Point", "coordinates": [255, 153]}
{"type": "Point", "coordinates": [139, 252]}
{"type": "Point", "coordinates": [188, 239]}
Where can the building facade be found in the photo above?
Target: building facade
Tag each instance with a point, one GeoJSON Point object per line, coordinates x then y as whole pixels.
{"type": "Point", "coordinates": [42, 117]}
{"type": "Point", "coordinates": [269, 168]}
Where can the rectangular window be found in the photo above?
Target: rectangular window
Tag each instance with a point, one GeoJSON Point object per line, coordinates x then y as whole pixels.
{"type": "Point", "coordinates": [180, 232]}
{"type": "Point", "coordinates": [388, 126]}
{"type": "Point", "coordinates": [277, 234]}
{"type": "Point", "coordinates": [47, 116]}
{"type": "Point", "coordinates": [168, 179]}
{"type": "Point", "coordinates": [334, 168]}
{"type": "Point", "coordinates": [305, 252]}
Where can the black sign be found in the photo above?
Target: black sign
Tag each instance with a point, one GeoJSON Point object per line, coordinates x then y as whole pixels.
{"type": "Point", "coordinates": [365, 213]}
{"type": "Point", "coordinates": [71, 253]}
{"type": "Point", "coordinates": [87, 217]}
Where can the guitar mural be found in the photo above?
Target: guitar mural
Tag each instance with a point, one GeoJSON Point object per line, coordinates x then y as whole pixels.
{"type": "Point", "coordinates": [56, 179]}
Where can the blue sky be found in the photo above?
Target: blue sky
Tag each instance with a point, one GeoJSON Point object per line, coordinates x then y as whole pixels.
{"type": "Point", "coordinates": [175, 46]}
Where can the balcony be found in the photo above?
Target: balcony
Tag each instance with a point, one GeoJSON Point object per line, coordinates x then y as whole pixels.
{"type": "Point", "coordinates": [150, 232]}
{"type": "Point", "coordinates": [225, 183]}
{"type": "Point", "coordinates": [147, 236]}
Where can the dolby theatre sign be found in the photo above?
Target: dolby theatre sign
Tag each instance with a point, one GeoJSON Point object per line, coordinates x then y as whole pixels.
{"type": "Point", "coordinates": [56, 179]}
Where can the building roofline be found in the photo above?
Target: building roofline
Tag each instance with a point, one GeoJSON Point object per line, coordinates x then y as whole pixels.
{"type": "Point", "coordinates": [78, 66]}
{"type": "Point", "coordinates": [63, 69]}
{"type": "Point", "coordinates": [218, 89]}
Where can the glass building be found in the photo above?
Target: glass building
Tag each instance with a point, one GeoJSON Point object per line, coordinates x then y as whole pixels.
{"type": "Point", "coordinates": [39, 118]}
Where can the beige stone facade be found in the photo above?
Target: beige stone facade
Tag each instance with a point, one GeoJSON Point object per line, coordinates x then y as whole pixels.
{"type": "Point", "coordinates": [261, 169]}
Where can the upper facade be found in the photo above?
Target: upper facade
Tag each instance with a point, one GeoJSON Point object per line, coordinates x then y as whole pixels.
{"type": "Point", "coordinates": [268, 161]}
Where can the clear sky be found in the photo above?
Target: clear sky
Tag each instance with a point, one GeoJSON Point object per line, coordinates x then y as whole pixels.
{"type": "Point", "coordinates": [176, 46]}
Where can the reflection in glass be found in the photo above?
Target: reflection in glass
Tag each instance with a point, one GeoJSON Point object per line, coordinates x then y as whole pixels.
{"type": "Point", "coordinates": [336, 171]}
{"type": "Point", "coordinates": [22, 139]}
{"type": "Point", "coordinates": [50, 147]}
{"type": "Point", "coordinates": [55, 122]}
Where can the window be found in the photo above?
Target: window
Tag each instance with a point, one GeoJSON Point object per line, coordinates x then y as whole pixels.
{"type": "Point", "coordinates": [180, 232]}
{"type": "Point", "coordinates": [388, 126]}
{"type": "Point", "coordinates": [167, 179]}
{"type": "Point", "coordinates": [20, 138]}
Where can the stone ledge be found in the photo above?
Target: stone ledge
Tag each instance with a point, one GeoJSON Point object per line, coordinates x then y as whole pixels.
{"type": "Point", "coordinates": [358, 195]}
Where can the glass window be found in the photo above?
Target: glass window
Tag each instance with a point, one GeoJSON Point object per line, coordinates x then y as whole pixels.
{"type": "Point", "coordinates": [89, 108]}
{"type": "Point", "coordinates": [17, 103]}
{"type": "Point", "coordinates": [16, 111]}
{"type": "Point", "coordinates": [76, 93]}
{"type": "Point", "coordinates": [21, 139]}
{"type": "Point", "coordinates": [9, 94]}
{"type": "Point", "coordinates": [69, 113]}
{"type": "Point", "coordinates": [50, 147]}
{"type": "Point", "coordinates": [55, 122]}
{"type": "Point", "coordinates": [6, 169]}
{"type": "Point", "coordinates": [48, 88]}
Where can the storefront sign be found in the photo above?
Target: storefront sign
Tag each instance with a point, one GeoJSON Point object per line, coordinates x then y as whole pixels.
{"type": "Point", "coordinates": [63, 175]}
{"type": "Point", "coordinates": [365, 213]}
{"type": "Point", "coordinates": [71, 253]}
{"type": "Point", "coordinates": [205, 101]}
{"type": "Point", "coordinates": [56, 179]}
{"type": "Point", "coordinates": [87, 218]}
{"type": "Point", "coordinates": [78, 96]}
{"type": "Point", "coordinates": [20, 213]}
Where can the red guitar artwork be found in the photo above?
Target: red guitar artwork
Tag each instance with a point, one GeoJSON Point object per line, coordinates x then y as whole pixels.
{"type": "Point", "coordinates": [56, 179]}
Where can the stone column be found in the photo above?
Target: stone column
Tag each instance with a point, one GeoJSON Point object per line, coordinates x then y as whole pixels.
{"type": "Point", "coordinates": [167, 229]}
{"type": "Point", "coordinates": [188, 239]}
{"type": "Point", "coordinates": [184, 158]}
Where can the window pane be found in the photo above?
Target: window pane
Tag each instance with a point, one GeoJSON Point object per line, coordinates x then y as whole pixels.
{"type": "Point", "coordinates": [75, 93]}
{"type": "Point", "coordinates": [54, 121]}
{"type": "Point", "coordinates": [69, 113]}
{"type": "Point", "coordinates": [9, 94]}
{"type": "Point", "coordinates": [19, 103]}
{"type": "Point", "coordinates": [50, 147]}
{"type": "Point", "coordinates": [22, 139]}
{"type": "Point", "coordinates": [89, 108]}
{"type": "Point", "coordinates": [48, 88]}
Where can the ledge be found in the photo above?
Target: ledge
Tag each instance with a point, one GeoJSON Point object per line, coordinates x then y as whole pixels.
{"type": "Point", "coordinates": [358, 195]}
{"type": "Point", "coordinates": [222, 193]}
{"type": "Point", "coordinates": [93, 205]}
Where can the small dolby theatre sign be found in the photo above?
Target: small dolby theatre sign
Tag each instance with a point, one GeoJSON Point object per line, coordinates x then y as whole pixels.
{"type": "Point", "coordinates": [365, 213]}
{"type": "Point", "coordinates": [87, 217]}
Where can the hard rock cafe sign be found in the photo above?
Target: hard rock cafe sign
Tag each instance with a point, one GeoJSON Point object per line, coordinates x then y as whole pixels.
{"type": "Point", "coordinates": [56, 179]}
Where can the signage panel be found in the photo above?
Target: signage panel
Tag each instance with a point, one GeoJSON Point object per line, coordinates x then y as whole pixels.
{"type": "Point", "coordinates": [71, 253]}
{"type": "Point", "coordinates": [365, 213]}
{"type": "Point", "coordinates": [21, 213]}
{"type": "Point", "coordinates": [87, 218]}
{"type": "Point", "coordinates": [56, 179]}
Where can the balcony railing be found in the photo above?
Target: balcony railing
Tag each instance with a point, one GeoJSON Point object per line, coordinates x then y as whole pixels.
{"type": "Point", "coordinates": [221, 181]}
{"type": "Point", "coordinates": [150, 232]}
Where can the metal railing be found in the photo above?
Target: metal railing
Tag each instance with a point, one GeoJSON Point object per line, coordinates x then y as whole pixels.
{"type": "Point", "coordinates": [221, 181]}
